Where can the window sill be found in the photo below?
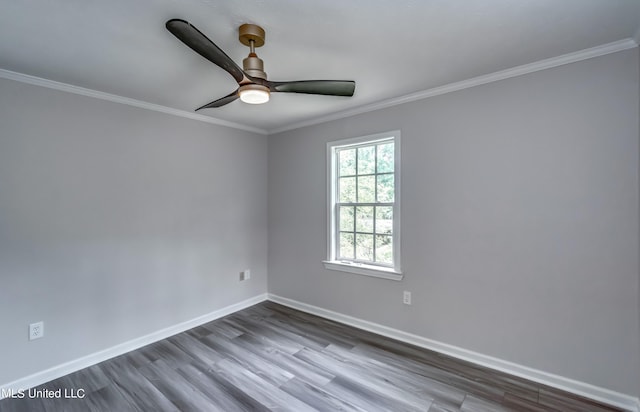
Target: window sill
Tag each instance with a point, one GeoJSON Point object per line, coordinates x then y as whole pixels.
{"type": "Point", "coordinates": [365, 270]}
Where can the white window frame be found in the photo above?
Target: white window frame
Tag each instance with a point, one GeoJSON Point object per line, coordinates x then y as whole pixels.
{"type": "Point", "coordinates": [392, 272]}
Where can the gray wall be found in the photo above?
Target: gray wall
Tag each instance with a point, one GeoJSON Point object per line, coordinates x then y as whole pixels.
{"type": "Point", "coordinates": [116, 222]}
{"type": "Point", "coordinates": [519, 213]}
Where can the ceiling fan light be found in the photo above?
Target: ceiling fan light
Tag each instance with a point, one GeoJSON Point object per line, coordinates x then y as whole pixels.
{"type": "Point", "coordinates": [254, 94]}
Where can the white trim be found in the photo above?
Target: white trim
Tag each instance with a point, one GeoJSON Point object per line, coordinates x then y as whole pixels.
{"type": "Point", "coordinates": [475, 81]}
{"type": "Point", "coordinates": [331, 198]}
{"type": "Point", "coordinates": [75, 365]}
{"type": "Point", "coordinates": [570, 385]}
{"type": "Point", "coordinates": [331, 263]}
{"type": "Point", "coordinates": [366, 270]}
{"type": "Point", "coordinates": [69, 88]}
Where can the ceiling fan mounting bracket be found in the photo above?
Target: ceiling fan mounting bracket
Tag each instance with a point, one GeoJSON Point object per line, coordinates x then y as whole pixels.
{"type": "Point", "coordinates": [251, 32]}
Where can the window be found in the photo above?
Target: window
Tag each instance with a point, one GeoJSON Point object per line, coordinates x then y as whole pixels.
{"type": "Point", "coordinates": [363, 205]}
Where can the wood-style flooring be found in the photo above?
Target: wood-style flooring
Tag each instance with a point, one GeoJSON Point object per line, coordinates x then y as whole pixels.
{"type": "Point", "coordinates": [270, 357]}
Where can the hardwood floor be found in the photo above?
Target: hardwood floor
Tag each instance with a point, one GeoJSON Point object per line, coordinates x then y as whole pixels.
{"type": "Point", "coordinates": [270, 357]}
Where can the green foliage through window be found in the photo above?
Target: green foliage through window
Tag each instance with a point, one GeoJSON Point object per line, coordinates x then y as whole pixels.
{"type": "Point", "coordinates": [365, 199]}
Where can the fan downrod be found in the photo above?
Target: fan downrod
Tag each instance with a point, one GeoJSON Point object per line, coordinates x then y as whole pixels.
{"type": "Point", "coordinates": [253, 36]}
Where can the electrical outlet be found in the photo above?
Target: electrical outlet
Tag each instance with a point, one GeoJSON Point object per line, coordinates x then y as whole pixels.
{"type": "Point", "coordinates": [406, 297]}
{"type": "Point", "coordinates": [36, 330]}
{"type": "Point", "coordinates": [245, 275]}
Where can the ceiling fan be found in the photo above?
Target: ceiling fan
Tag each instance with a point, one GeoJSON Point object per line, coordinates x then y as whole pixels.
{"type": "Point", "coordinates": [252, 80]}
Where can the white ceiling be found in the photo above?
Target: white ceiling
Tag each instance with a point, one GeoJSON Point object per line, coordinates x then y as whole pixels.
{"type": "Point", "coordinates": [390, 48]}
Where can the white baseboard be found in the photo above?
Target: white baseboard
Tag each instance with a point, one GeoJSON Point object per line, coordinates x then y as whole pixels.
{"type": "Point", "coordinates": [101, 356]}
{"type": "Point", "coordinates": [580, 388]}
{"type": "Point", "coordinates": [596, 393]}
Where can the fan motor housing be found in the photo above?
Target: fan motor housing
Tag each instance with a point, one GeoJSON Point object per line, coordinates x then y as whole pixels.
{"type": "Point", "coordinates": [254, 66]}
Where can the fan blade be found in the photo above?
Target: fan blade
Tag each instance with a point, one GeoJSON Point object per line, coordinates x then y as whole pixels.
{"type": "Point", "coordinates": [327, 87]}
{"type": "Point", "coordinates": [197, 41]}
{"type": "Point", "coordinates": [221, 101]}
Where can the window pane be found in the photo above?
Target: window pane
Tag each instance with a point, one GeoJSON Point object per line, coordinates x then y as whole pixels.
{"type": "Point", "coordinates": [384, 220]}
{"type": "Point", "coordinates": [346, 245]}
{"type": "Point", "coordinates": [347, 162]}
{"type": "Point", "coordinates": [364, 247]}
{"type": "Point", "coordinates": [366, 160]}
{"type": "Point", "coordinates": [347, 189]}
{"type": "Point", "coordinates": [364, 219]}
{"type": "Point", "coordinates": [384, 249]}
{"type": "Point", "coordinates": [363, 213]}
{"type": "Point", "coordinates": [385, 158]}
{"type": "Point", "coordinates": [385, 188]}
{"type": "Point", "coordinates": [366, 189]}
{"type": "Point", "coordinates": [346, 218]}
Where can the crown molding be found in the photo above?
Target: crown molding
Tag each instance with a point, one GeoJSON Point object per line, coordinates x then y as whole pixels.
{"type": "Point", "coordinates": [51, 84]}
{"type": "Point", "coordinates": [597, 51]}
{"type": "Point", "coordinates": [475, 81]}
